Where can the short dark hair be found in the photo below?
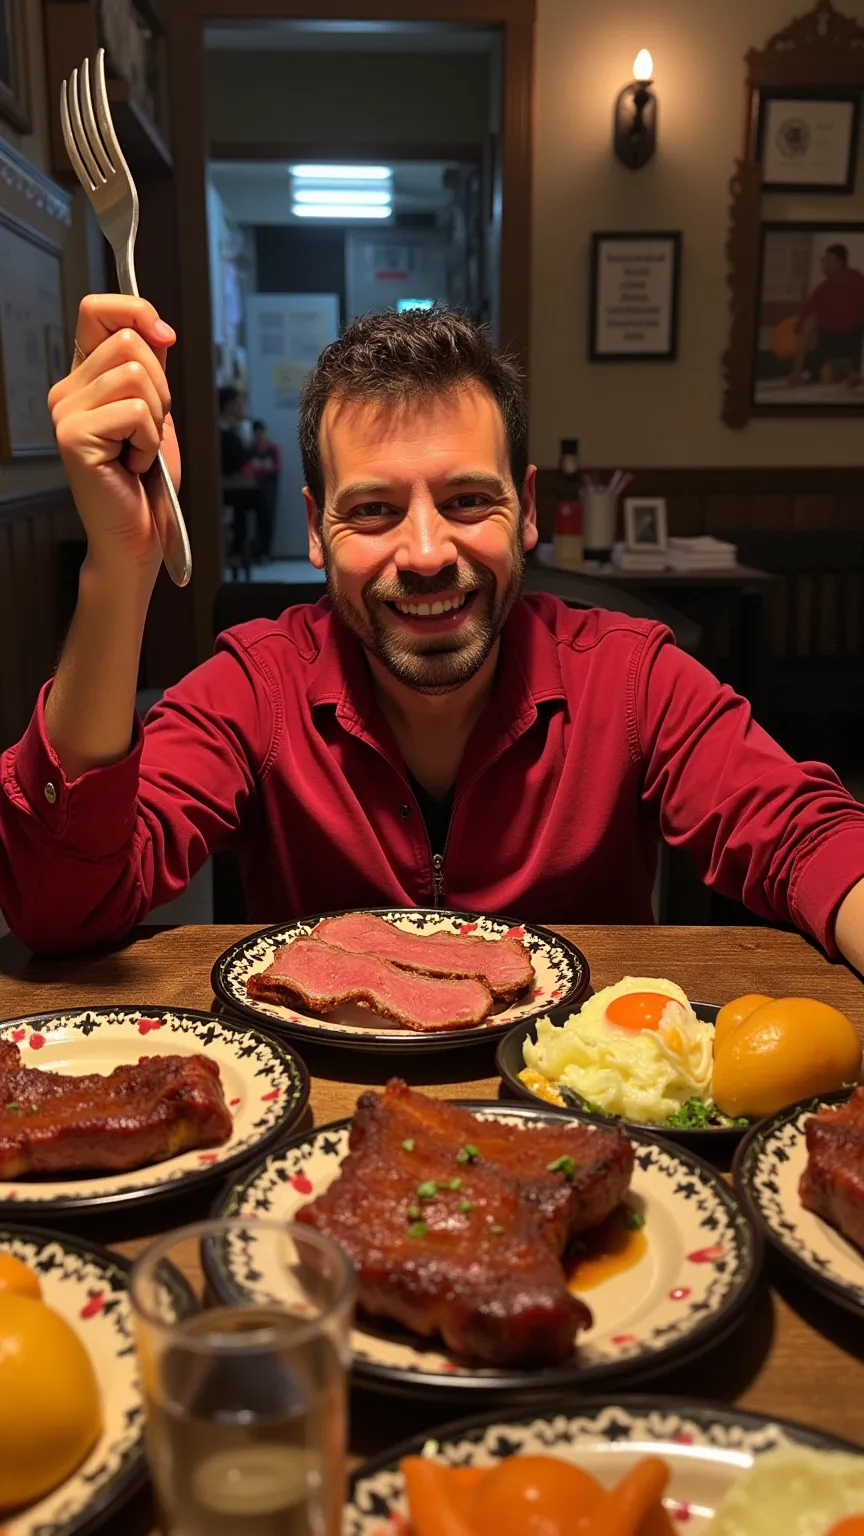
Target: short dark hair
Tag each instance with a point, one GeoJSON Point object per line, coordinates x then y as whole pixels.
{"type": "Point", "coordinates": [399, 358]}
{"type": "Point", "coordinates": [259, 426]}
{"type": "Point", "coordinates": [840, 251]}
{"type": "Point", "coordinates": [227, 395]}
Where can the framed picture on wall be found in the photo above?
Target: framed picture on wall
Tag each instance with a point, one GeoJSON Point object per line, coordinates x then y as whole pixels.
{"type": "Point", "coordinates": [32, 338]}
{"type": "Point", "coordinates": [634, 296]}
{"type": "Point", "coordinates": [807, 141]}
{"type": "Point", "coordinates": [14, 93]}
{"type": "Point", "coordinates": [808, 356]}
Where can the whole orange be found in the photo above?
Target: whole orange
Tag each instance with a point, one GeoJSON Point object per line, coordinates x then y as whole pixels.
{"type": "Point", "coordinates": [734, 1013]}
{"type": "Point", "coordinates": [784, 1050]}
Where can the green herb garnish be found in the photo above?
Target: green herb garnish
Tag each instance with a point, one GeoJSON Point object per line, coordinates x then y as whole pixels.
{"type": "Point", "coordinates": [467, 1153]}
{"type": "Point", "coordinates": [414, 1212]}
{"type": "Point", "coordinates": [591, 1108]}
{"type": "Point", "coordinates": [427, 1191]}
{"type": "Point", "coordinates": [496, 1229]}
{"type": "Point", "coordinates": [454, 1184]}
{"type": "Point", "coordinates": [465, 1206]}
{"type": "Point", "coordinates": [408, 1144]}
{"type": "Point", "coordinates": [634, 1221]}
{"type": "Point", "coordinates": [417, 1229]}
{"type": "Point", "coordinates": [13, 1104]}
{"type": "Point", "coordinates": [563, 1165]}
{"type": "Point", "coordinates": [700, 1115]}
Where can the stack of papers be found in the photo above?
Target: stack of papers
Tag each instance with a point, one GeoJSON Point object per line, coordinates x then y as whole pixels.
{"type": "Point", "coordinates": [639, 559]}
{"type": "Point", "coordinates": [701, 554]}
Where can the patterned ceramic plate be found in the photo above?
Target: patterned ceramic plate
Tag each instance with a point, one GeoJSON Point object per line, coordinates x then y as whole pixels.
{"type": "Point", "coordinates": [697, 1263]}
{"type": "Point", "coordinates": [510, 1061]}
{"type": "Point", "coordinates": [767, 1169]}
{"type": "Point", "coordinates": [88, 1286]}
{"type": "Point", "coordinates": [265, 1084]}
{"type": "Point", "coordinates": [562, 975]}
{"type": "Point", "coordinates": [705, 1447]}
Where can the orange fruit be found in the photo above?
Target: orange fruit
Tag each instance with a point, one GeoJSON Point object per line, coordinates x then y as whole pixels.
{"type": "Point", "coordinates": [784, 1050]}
{"type": "Point", "coordinates": [50, 1413]}
{"type": "Point", "coordinates": [534, 1496]}
{"type": "Point", "coordinates": [734, 1013]}
{"type": "Point", "coordinates": [15, 1276]}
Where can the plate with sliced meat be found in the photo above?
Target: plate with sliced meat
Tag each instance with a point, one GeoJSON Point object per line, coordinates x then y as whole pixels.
{"type": "Point", "coordinates": [403, 978]}
{"type": "Point", "coordinates": [105, 1106]}
{"type": "Point", "coordinates": [801, 1174]}
{"type": "Point", "coordinates": [504, 1248]}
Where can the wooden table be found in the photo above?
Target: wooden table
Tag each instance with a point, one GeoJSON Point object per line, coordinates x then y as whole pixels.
{"type": "Point", "coordinates": [794, 1356]}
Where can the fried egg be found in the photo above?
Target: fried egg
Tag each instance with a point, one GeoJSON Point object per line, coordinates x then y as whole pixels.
{"type": "Point", "coordinates": [796, 1492]}
{"type": "Point", "coordinates": [635, 1049]}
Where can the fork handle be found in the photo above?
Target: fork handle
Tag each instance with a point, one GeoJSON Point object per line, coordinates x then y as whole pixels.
{"type": "Point", "coordinates": [157, 483]}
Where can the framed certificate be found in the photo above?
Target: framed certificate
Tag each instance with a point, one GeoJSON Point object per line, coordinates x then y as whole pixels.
{"type": "Point", "coordinates": [634, 296]}
{"type": "Point", "coordinates": [808, 141]}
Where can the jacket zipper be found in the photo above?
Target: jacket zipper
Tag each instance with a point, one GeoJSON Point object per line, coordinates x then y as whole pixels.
{"type": "Point", "coordinates": [438, 877]}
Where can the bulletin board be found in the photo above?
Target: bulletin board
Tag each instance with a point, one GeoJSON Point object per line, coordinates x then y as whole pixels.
{"type": "Point", "coordinates": [32, 338]}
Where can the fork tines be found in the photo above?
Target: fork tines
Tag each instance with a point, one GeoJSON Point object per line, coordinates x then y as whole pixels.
{"type": "Point", "coordinates": [91, 142]}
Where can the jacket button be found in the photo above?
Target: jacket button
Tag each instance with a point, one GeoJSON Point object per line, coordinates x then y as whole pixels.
{"type": "Point", "coordinates": [50, 793]}
{"type": "Point", "coordinates": [405, 811]}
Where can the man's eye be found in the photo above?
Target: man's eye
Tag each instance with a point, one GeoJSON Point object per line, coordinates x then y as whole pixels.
{"type": "Point", "coordinates": [468, 501]}
{"type": "Point", "coordinates": [371, 509]}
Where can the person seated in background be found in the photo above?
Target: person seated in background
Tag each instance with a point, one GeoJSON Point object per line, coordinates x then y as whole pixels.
{"type": "Point", "coordinates": [234, 453]}
{"type": "Point", "coordinates": [423, 734]}
{"type": "Point", "coordinates": [239, 491]}
{"type": "Point", "coordinates": [266, 466]}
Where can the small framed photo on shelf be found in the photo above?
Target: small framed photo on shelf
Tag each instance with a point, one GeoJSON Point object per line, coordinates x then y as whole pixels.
{"type": "Point", "coordinates": [807, 141]}
{"type": "Point", "coordinates": [634, 296]}
{"type": "Point", "coordinates": [645, 525]}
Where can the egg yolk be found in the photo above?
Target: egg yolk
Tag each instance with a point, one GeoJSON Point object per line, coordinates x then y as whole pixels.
{"type": "Point", "coordinates": [637, 1010]}
{"type": "Point", "coordinates": [853, 1525]}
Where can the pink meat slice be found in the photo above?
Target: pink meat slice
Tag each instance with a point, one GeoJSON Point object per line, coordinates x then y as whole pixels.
{"type": "Point", "coordinates": [504, 965]}
{"type": "Point", "coordinates": [319, 976]}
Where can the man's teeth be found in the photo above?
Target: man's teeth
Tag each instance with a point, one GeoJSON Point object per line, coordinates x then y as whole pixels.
{"type": "Point", "coordinates": [428, 610]}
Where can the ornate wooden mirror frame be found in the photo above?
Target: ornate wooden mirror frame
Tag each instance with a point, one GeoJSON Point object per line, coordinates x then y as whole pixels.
{"type": "Point", "coordinates": [820, 49]}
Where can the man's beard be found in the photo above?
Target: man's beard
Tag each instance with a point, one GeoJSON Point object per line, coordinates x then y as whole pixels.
{"type": "Point", "coordinates": [445, 661]}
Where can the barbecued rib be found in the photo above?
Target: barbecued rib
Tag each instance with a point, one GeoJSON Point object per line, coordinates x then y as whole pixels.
{"type": "Point", "coordinates": [448, 1239]}
{"type": "Point", "coordinates": [141, 1114]}
{"type": "Point", "coordinates": [832, 1185]}
{"type": "Point", "coordinates": [318, 976]}
{"type": "Point", "coordinates": [503, 965]}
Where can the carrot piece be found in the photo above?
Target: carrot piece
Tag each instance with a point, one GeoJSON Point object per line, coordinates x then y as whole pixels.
{"type": "Point", "coordinates": [633, 1508]}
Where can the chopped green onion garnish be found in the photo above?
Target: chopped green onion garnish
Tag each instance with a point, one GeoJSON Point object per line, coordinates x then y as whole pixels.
{"type": "Point", "coordinates": [417, 1229]}
{"type": "Point", "coordinates": [634, 1221]}
{"type": "Point", "coordinates": [465, 1206]}
{"type": "Point", "coordinates": [408, 1144]}
{"type": "Point", "coordinates": [467, 1153]}
{"type": "Point", "coordinates": [414, 1212]}
{"type": "Point", "coordinates": [427, 1191]}
{"type": "Point", "coordinates": [496, 1229]}
{"type": "Point", "coordinates": [563, 1165]}
{"type": "Point", "coordinates": [454, 1184]}
{"type": "Point", "coordinates": [13, 1104]}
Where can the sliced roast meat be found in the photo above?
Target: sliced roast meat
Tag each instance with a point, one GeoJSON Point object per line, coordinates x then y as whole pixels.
{"type": "Point", "coordinates": [503, 965]}
{"type": "Point", "coordinates": [319, 976]}
{"type": "Point", "coordinates": [832, 1184]}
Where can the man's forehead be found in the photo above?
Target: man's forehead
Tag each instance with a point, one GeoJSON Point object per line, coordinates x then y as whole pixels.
{"type": "Point", "coordinates": [438, 429]}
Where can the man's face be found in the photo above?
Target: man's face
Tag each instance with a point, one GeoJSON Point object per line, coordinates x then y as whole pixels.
{"type": "Point", "coordinates": [832, 266]}
{"type": "Point", "coordinates": [237, 409]}
{"type": "Point", "coordinates": [422, 534]}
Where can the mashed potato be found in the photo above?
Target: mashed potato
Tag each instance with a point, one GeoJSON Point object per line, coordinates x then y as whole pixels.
{"type": "Point", "coordinates": [635, 1049]}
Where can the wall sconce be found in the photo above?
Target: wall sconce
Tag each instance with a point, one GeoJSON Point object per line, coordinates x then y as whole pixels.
{"type": "Point", "coordinates": [636, 116]}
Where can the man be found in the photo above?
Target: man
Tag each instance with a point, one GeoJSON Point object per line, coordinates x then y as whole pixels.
{"type": "Point", "coordinates": [239, 491]}
{"type": "Point", "coordinates": [234, 453]}
{"type": "Point", "coordinates": [266, 466]}
{"type": "Point", "coordinates": [421, 735]}
{"type": "Point", "coordinates": [831, 324]}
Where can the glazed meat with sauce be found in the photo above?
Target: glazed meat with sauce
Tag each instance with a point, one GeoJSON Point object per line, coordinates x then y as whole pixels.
{"type": "Point", "coordinates": [137, 1115]}
{"type": "Point", "coordinates": [832, 1185]}
{"type": "Point", "coordinates": [318, 976]}
{"type": "Point", "coordinates": [457, 1227]}
{"type": "Point", "coordinates": [503, 965]}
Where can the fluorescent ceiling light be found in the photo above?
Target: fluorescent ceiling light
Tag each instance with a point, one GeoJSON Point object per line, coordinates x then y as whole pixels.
{"type": "Point", "coordinates": [374, 198]}
{"type": "Point", "coordinates": [336, 210]}
{"type": "Point", "coordinates": [341, 172]}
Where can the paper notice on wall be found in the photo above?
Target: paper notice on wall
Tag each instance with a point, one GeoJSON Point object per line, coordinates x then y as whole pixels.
{"type": "Point", "coordinates": [287, 383]}
{"type": "Point", "coordinates": [271, 332]}
{"type": "Point", "coordinates": [305, 335]}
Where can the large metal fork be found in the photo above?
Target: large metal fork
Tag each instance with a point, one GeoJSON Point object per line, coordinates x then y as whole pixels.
{"type": "Point", "coordinates": [92, 147]}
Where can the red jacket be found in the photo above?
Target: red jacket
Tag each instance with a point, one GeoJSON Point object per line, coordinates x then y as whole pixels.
{"type": "Point", "coordinates": [838, 303]}
{"type": "Point", "coordinates": [599, 734]}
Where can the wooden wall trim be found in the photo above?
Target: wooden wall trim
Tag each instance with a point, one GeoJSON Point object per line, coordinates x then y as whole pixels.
{"type": "Point", "coordinates": [21, 506]}
{"type": "Point", "coordinates": [333, 149]}
{"type": "Point", "coordinates": [707, 480]}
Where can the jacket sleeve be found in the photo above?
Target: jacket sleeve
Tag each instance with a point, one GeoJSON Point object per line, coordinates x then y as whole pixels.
{"type": "Point", "coordinates": [82, 862]}
{"type": "Point", "coordinates": [783, 837]}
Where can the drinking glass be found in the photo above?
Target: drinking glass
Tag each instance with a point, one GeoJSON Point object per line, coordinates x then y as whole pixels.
{"type": "Point", "coordinates": [242, 1330]}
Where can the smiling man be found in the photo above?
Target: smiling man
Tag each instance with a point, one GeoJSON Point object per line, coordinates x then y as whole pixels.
{"type": "Point", "coordinates": [425, 733]}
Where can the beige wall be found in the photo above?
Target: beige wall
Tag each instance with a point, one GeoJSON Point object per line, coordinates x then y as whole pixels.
{"type": "Point", "coordinates": [653, 413]}
{"type": "Point", "coordinates": [314, 97]}
{"type": "Point", "coordinates": [80, 239]}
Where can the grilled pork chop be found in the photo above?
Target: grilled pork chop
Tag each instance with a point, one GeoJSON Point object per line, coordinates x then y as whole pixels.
{"type": "Point", "coordinates": [477, 1258]}
{"type": "Point", "coordinates": [832, 1184]}
{"type": "Point", "coordinates": [503, 965]}
{"type": "Point", "coordinates": [320, 977]}
{"type": "Point", "coordinates": [50, 1123]}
